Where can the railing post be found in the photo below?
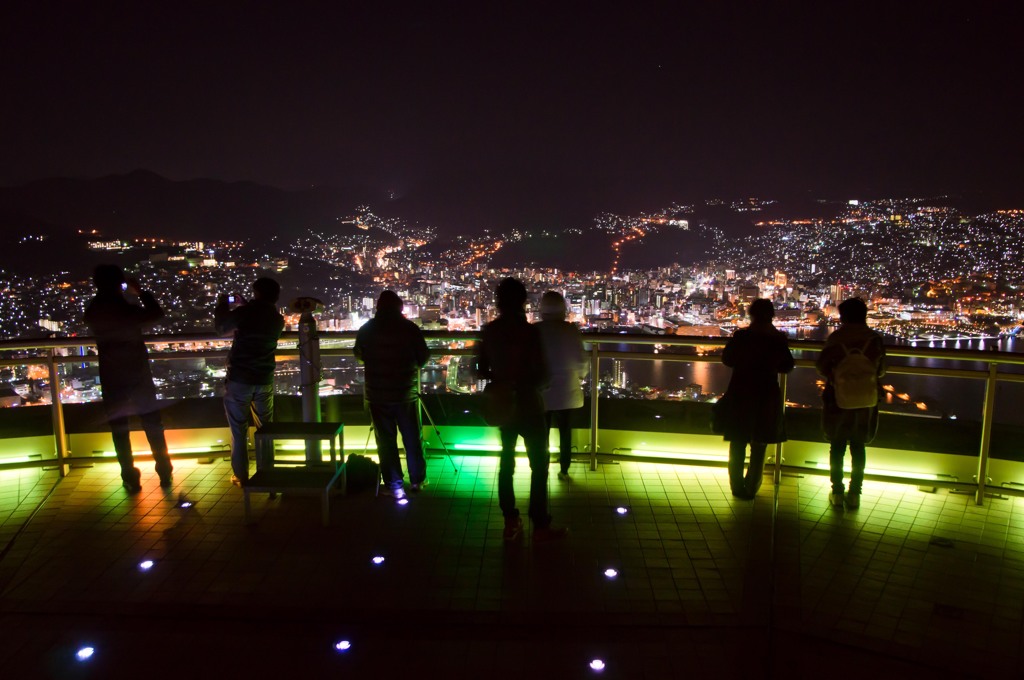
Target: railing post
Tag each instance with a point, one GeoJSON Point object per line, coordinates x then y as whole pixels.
{"type": "Point", "coordinates": [595, 364]}
{"type": "Point", "coordinates": [988, 410]}
{"type": "Point", "coordinates": [57, 415]}
{"type": "Point", "coordinates": [777, 472]}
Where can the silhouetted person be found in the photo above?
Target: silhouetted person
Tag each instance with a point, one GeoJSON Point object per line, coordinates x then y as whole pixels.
{"type": "Point", "coordinates": [756, 354]}
{"type": "Point", "coordinates": [249, 390]}
{"type": "Point", "coordinates": [125, 377]}
{"type": "Point", "coordinates": [567, 365]}
{"type": "Point", "coordinates": [393, 350]}
{"type": "Point", "coordinates": [511, 356]}
{"type": "Point", "coordinates": [852, 342]}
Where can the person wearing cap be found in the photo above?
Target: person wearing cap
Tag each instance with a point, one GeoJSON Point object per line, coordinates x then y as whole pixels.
{"type": "Point", "coordinates": [126, 380]}
{"type": "Point", "coordinates": [249, 390]}
{"type": "Point", "coordinates": [567, 366]}
{"type": "Point", "coordinates": [393, 351]}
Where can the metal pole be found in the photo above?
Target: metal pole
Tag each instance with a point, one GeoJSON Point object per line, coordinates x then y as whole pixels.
{"type": "Point", "coordinates": [987, 413]}
{"type": "Point", "coordinates": [309, 377]}
{"type": "Point", "coordinates": [595, 363]}
{"type": "Point", "coordinates": [777, 473]}
{"type": "Point", "coordinates": [57, 414]}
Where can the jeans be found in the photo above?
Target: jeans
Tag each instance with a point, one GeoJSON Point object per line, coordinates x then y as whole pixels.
{"type": "Point", "coordinates": [241, 402]}
{"type": "Point", "coordinates": [858, 460]}
{"type": "Point", "coordinates": [535, 434]}
{"type": "Point", "coordinates": [388, 420]}
{"type": "Point", "coordinates": [746, 485]}
{"type": "Point", "coordinates": [560, 419]}
{"type": "Point", "coordinates": [120, 429]}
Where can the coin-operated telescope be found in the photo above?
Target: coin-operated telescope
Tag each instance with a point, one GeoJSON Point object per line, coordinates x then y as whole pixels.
{"type": "Point", "coordinates": [310, 372]}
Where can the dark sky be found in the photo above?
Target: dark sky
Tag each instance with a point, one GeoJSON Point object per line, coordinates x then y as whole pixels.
{"type": "Point", "coordinates": [476, 114]}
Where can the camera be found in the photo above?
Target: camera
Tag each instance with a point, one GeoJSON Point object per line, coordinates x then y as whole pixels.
{"type": "Point", "coordinates": [124, 285]}
{"type": "Point", "coordinates": [231, 299]}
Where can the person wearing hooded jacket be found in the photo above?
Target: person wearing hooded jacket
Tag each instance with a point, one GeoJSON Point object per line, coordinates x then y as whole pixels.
{"type": "Point", "coordinates": [567, 366]}
{"type": "Point", "coordinates": [393, 351]}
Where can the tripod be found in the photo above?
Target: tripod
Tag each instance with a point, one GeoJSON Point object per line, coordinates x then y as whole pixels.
{"type": "Point", "coordinates": [433, 426]}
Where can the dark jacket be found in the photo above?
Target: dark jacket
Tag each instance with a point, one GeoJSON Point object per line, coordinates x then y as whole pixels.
{"type": "Point", "coordinates": [511, 354]}
{"type": "Point", "coordinates": [117, 325]}
{"type": "Point", "coordinates": [393, 350]}
{"type": "Point", "coordinates": [257, 326]}
{"type": "Point", "coordinates": [856, 424]}
{"type": "Point", "coordinates": [757, 355]}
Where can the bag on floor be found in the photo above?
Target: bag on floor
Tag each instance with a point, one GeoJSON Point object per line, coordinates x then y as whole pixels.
{"type": "Point", "coordinates": [361, 473]}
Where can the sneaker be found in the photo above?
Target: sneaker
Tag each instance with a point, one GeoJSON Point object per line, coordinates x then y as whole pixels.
{"type": "Point", "coordinates": [396, 492]}
{"type": "Point", "coordinates": [418, 486]}
{"type": "Point", "coordinates": [852, 500]}
{"type": "Point", "coordinates": [836, 499]}
{"type": "Point", "coordinates": [564, 476]}
{"type": "Point", "coordinates": [166, 480]}
{"type": "Point", "coordinates": [513, 528]}
{"type": "Point", "coordinates": [237, 481]}
{"type": "Point", "coordinates": [549, 534]}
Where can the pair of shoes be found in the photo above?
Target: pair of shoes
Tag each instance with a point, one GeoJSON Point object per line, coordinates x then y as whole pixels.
{"type": "Point", "coordinates": [852, 500]}
{"type": "Point", "coordinates": [238, 481]}
{"type": "Point", "coordinates": [513, 528]}
{"type": "Point", "coordinates": [549, 534]}
{"type": "Point", "coordinates": [396, 492]}
{"type": "Point", "coordinates": [418, 486]}
{"type": "Point", "coordinates": [836, 498]}
{"type": "Point", "coordinates": [133, 482]}
{"type": "Point", "coordinates": [564, 476]}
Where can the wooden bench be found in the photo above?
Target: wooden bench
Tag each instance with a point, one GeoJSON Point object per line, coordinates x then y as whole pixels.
{"type": "Point", "coordinates": [321, 478]}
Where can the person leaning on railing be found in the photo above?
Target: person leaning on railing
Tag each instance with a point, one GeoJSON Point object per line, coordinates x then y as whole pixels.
{"type": "Point", "coordinates": [249, 390]}
{"type": "Point", "coordinates": [853, 427]}
{"type": "Point", "coordinates": [756, 354]}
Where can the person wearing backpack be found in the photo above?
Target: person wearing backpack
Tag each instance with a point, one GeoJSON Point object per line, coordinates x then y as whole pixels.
{"type": "Point", "coordinates": [852, 361]}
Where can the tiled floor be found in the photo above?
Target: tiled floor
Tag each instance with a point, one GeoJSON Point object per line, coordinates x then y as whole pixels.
{"type": "Point", "coordinates": [705, 584]}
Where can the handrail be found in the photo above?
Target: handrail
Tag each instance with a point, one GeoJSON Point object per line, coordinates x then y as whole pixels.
{"type": "Point", "coordinates": [45, 352]}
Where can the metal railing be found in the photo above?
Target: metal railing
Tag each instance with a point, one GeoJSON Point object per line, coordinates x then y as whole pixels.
{"type": "Point", "coordinates": [46, 352]}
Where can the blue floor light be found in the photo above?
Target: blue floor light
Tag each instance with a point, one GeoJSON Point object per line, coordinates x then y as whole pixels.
{"type": "Point", "coordinates": [85, 653]}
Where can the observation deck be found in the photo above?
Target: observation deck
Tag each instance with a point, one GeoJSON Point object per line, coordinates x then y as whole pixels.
{"type": "Point", "coordinates": [925, 575]}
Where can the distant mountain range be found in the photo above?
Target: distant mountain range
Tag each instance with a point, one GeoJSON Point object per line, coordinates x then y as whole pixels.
{"type": "Point", "coordinates": [144, 204]}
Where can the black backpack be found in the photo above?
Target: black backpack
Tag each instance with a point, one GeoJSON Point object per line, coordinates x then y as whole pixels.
{"type": "Point", "coordinates": [361, 473]}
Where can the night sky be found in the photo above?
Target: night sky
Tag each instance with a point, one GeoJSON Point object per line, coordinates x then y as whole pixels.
{"type": "Point", "coordinates": [475, 113]}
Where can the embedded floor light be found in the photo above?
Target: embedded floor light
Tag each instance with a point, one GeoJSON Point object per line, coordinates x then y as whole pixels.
{"type": "Point", "coordinates": [622, 510]}
{"type": "Point", "coordinates": [342, 645]}
{"type": "Point", "coordinates": [378, 560]}
{"type": "Point", "coordinates": [403, 501]}
{"type": "Point", "coordinates": [145, 565]}
{"type": "Point", "coordinates": [610, 573]}
{"type": "Point", "coordinates": [85, 653]}
{"type": "Point", "coordinates": [596, 665]}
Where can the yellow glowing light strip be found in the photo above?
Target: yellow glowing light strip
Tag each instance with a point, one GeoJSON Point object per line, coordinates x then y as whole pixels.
{"type": "Point", "coordinates": [678, 455]}
{"type": "Point", "coordinates": [905, 474]}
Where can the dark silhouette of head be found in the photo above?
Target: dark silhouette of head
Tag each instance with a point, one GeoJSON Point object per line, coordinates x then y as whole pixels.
{"type": "Point", "coordinates": [853, 311]}
{"type": "Point", "coordinates": [389, 303]}
{"type": "Point", "coordinates": [510, 296]}
{"type": "Point", "coordinates": [552, 306]}
{"type": "Point", "coordinates": [761, 311]}
{"type": "Point", "coordinates": [108, 277]}
{"type": "Point", "coordinates": [266, 289]}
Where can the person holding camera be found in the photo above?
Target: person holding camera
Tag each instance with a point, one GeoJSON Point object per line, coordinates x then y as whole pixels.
{"type": "Point", "coordinates": [249, 390]}
{"type": "Point", "coordinates": [125, 377]}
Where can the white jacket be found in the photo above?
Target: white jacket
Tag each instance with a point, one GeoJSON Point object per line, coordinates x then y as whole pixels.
{"type": "Point", "coordinates": [567, 364]}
